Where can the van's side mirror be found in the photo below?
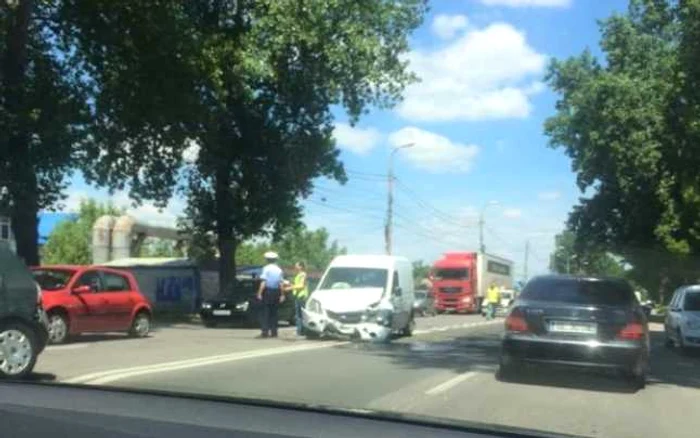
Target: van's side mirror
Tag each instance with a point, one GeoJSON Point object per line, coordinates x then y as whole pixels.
{"type": "Point", "coordinates": [84, 289]}
{"type": "Point", "coordinates": [397, 291]}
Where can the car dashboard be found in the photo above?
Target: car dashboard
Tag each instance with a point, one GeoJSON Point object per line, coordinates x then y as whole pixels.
{"type": "Point", "coordinates": [35, 410]}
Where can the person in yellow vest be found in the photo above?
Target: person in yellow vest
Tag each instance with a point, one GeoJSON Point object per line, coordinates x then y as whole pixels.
{"type": "Point", "coordinates": [300, 290]}
{"type": "Point", "coordinates": [493, 297]}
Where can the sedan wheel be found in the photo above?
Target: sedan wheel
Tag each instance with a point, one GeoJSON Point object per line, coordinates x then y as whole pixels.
{"type": "Point", "coordinates": [58, 328]}
{"type": "Point", "coordinates": [141, 325]}
{"type": "Point", "coordinates": [18, 351]}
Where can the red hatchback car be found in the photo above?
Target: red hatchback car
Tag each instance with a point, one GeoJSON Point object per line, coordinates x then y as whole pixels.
{"type": "Point", "coordinates": [80, 299]}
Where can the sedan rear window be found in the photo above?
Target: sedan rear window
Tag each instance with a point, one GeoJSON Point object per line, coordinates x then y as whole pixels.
{"type": "Point", "coordinates": [576, 291]}
{"type": "Point", "coordinates": [692, 302]}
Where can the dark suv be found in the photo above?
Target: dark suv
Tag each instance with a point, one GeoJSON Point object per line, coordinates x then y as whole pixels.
{"type": "Point", "coordinates": [23, 324]}
{"type": "Point", "coordinates": [577, 321]}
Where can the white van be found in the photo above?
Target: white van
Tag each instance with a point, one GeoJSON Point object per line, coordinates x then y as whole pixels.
{"type": "Point", "coordinates": [365, 296]}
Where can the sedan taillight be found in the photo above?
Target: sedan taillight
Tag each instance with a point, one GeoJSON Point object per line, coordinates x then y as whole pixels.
{"type": "Point", "coordinates": [515, 322]}
{"type": "Point", "coordinates": [633, 331]}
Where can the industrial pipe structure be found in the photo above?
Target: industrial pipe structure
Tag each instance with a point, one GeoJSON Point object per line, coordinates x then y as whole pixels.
{"type": "Point", "coordinates": [121, 237]}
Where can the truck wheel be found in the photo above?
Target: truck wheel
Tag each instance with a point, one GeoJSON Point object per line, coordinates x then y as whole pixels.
{"type": "Point", "coordinates": [20, 347]}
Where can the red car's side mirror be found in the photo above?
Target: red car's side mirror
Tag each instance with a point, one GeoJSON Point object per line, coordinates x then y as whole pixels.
{"type": "Point", "coordinates": [85, 289]}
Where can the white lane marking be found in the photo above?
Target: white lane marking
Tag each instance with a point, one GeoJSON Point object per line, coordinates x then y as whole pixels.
{"type": "Point", "coordinates": [444, 386]}
{"type": "Point", "coordinates": [104, 377]}
{"type": "Point", "coordinates": [65, 347]}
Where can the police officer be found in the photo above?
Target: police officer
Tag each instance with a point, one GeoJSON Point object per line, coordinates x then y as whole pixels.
{"type": "Point", "coordinates": [270, 295]}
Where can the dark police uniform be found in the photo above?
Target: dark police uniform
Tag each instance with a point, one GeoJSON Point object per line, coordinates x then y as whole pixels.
{"type": "Point", "coordinates": [272, 275]}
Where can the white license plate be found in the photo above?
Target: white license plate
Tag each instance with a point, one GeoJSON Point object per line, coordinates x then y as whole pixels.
{"type": "Point", "coordinates": [585, 328]}
{"type": "Point", "coordinates": [221, 312]}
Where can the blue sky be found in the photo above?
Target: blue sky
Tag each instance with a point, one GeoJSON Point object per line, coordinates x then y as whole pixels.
{"type": "Point", "coordinates": [476, 122]}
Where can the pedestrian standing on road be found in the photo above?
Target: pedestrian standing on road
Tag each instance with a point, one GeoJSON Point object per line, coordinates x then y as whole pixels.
{"type": "Point", "coordinates": [270, 295]}
{"type": "Point", "coordinates": [493, 296]}
{"type": "Point", "coordinates": [300, 290]}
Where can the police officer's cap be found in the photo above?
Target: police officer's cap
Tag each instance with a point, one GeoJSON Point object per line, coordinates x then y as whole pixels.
{"type": "Point", "coordinates": [271, 255]}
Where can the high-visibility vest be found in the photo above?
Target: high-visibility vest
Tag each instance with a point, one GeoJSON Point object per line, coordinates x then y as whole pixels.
{"type": "Point", "coordinates": [493, 295]}
{"type": "Point", "coordinates": [299, 287]}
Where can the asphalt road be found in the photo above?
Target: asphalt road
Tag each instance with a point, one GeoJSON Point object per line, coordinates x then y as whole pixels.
{"type": "Point", "coordinates": [446, 370]}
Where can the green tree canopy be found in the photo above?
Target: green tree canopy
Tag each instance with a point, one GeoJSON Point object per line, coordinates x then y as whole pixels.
{"type": "Point", "coordinates": [629, 125]}
{"type": "Point", "coordinates": [43, 114]}
{"type": "Point", "coordinates": [297, 244]}
{"type": "Point", "coordinates": [269, 73]}
{"type": "Point", "coordinates": [421, 270]}
{"type": "Point", "coordinates": [71, 241]}
{"type": "Point", "coordinates": [570, 257]}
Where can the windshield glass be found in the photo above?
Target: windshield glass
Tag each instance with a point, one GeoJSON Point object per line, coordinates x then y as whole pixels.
{"type": "Point", "coordinates": [52, 279]}
{"type": "Point", "coordinates": [579, 292]}
{"type": "Point", "coordinates": [345, 278]}
{"type": "Point", "coordinates": [420, 294]}
{"type": "Point", "coordinates": [692, 302]}
{"type": "Point", "coordinates": [451, 274]}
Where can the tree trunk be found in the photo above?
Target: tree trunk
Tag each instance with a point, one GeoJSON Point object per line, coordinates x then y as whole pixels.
{"type": "Point", "coordinates": [22, 182]}
{"type": "Point", "coordinates": [224, 229]}
{"type": "Point", "coordinates": [25, 222]}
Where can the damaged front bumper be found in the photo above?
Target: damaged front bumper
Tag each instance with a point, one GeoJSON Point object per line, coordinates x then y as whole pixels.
{"type": "Point", "coordinates": [321, 324]}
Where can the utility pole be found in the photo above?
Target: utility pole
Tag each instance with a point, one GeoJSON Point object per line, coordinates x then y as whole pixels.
{"type": "Point", "coordinates": [388, 229]}
{"type": "Point", "coordinates": [482, 246]}
{"type": "Point", "coordinates": [527, 257]}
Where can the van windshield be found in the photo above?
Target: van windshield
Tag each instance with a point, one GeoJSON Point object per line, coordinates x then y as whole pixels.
{"type": "Point", "coordinates": [346, 278]}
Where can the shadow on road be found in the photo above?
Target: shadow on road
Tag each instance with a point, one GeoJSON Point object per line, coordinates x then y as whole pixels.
{"type": "Point", "coordinates": [480, 352]}
{"type": "Point", "coordinates": [41, 377]}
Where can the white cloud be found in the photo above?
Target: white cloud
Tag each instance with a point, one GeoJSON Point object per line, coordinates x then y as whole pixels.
{"type": "Point", "coordinates": [447, 26]}
{"type": "Point", "coordinates": [528, 3]}
{"type": "Point", "coordinates": [433, 152]}
{"type": "Point", "coordinates": [488, 73]}
{"type": "Point", "coordinates": [548, 196]}
{"type": "Point", "coordinates": [354, 139]}
{"type": "Point", "coordinates": [512, 213]}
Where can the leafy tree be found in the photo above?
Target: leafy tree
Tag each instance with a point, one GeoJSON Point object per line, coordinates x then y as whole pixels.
{"type": "Point", "coordinates": [299, 243]}
{"type": "Point", "coordinates": [570, 257]}
{"type": "Point", "coordinates": [154, 247]}
{"type": "Point", "coordinates": [269, 73]}
{"type": "Point", "coordinates": [629, 124]}
{"type": "Point", "coordinates": [43, 113]}
{"type": "Point", "coordinates": [420, 271]}
{"type": "Point", "coordinates": [71, 241]}
{"type": "Point", "coordinates": [97, 85]}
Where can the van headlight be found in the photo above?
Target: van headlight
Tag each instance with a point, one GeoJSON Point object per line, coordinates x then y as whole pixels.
{"type": "Point", "coordinates": [314, 306]}
{"type": "Point", "coordinates": [206, 305]}
{"type": "Point", "coordinates": [379, 316]}
{"type": "Point", "coordinates": [242, 306]}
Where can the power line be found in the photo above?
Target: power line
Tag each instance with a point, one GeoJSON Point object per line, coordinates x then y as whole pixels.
{"type": "Point", "coordinates": [446, 217]}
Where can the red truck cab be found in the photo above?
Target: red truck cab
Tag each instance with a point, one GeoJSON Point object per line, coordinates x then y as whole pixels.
{"type": "Point", "coordinates": [454, 282]}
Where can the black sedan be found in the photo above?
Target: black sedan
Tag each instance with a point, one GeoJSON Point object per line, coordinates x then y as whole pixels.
{"type": "Point", "coordinates": [240, 306]}
{"type": "Point", "coordinates": [575, 321]}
